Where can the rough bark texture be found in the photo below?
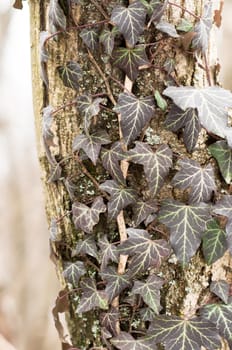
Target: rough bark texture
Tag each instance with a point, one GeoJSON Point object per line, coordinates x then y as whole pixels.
{"type": "Point", "coordinates": [186, 289]}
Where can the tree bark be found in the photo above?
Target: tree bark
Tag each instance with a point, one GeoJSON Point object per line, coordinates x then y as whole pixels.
{"type": "Point", "coordinates": [186, 288]}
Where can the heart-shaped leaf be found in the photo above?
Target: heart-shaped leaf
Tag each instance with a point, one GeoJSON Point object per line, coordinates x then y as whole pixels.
{"type": "Point", "coordinates": [107, 39]}
{"type": "Point", "coordinates": [70, 74]}
{"type": "Point", "coordinates": [86, 246]}
{"type": "Point", "coordinates": [73, 271]}
{"type": "Point", "coordinates": [91, 297]}
{"type": "Point", "coordinates": [90, 37]}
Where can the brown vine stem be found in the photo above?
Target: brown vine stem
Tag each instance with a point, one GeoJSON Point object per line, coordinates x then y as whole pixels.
{"type": "Point", "coordinates": [207, 70]}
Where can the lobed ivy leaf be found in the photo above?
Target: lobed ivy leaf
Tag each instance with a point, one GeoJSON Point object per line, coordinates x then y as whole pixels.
{"type": "Point", "coordinates": [109, 320]}
{"type": "Point", "coordinates": [187, 224]}
{"type": "Point", "coordinates": [44, 56]}
{"type": "Point", "coordinates": [224, 207]}
{"type": "Point", "coordinates": [150, 291]}
{"type": "Point", "coordinates": [110, 161]}
{"type": "Point", "coordinates": [130, 21]}
{"type": "Point", "coordinates": [73, 271]}
{"type": "Point", "coordinates": [86, 246]}
{"type": "Point", "coordinates": [91, 297]}
{"type": "Point", "coordinates": [108, 252]}
{"type": "Point", "coordinates": [70, 74]}
{"type": "Point", "coordinates": [120, 197]}
{"type": "Point", "coordinates": [145, 251]}
{"type": "Point", "coordinates": [86, 218]}
{"type": "Point", "coordinates": [199, 180]}
{"type": "Point", "coordinates": [135, 114]}
{"type": "Point", "coordinates": [214, 242]}
{"type": "Point", "coordinates": [48, 135]}
{"type": "Point", "coordinates": [158, 12]}
{"type": "Point", "coordinates": [107, 39]}
{"type": "Point", "coordinates": [221, 316]}
{"type": "Point", "coordinates": [167, 28]}
{"type": "Point", "coordinates": [90, 37]}
{"type": "Point", "coordinates": [183, 334]}
{"type": "Point", "coordinates": [125, 341]}
{"type": "Point", "coordinates": [116, 283]}
{"type": "Point", "coordinates": [202, 29]}
{"type": "Point", "coordinates": [222, 289]}
{"type": "Point", "coordinates": [142, 210]}
{"type": "Point", "coordinates": [156, 164]}
{"type": "Point", "coordinates": [88, 107]}
{"type": "Point", "coordinates": [91, 144]}
{"type": "Point", "coordinates": [129, 60]}
{"type": "Point", "coordinates": [188, 120]}
{"type": "Point", "coordinates": [223, 154]}
{"type": "Point", "coordinates": [212, 104]}
{"type": "Point", "coordinates": [57, 18]}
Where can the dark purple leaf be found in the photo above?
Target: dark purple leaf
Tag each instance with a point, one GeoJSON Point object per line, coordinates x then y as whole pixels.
{"type": "Point", "coordinates": [177, 333]}
{"type": "Point", "coordinates": [91, 144]}
{"type": "Point", "coordinates": [70, 74]}
{"type": "Point", "coordinates": [87, 246]}
{"type": "Point", "coordinates": [221, 316]}
{"type": "Point", "coordinates": [203, 28]}
{"type": "Point", "coordinates": [189, 121]}
{"type": "Point", "coordinates": [57, 19]}
{"type": "Point", "coordinates": [145, 251]}
{"type": "Point", "coordinates": [223, 154]}
{"type": "Point", "coordinates": [109, 320]}
{"type": "Point", "coordinates": [86, 218]}
{"type": "Point", "coordinates": [214, 242]}
{"type": "Point", "coordinates": [90, 37]}
{"type": "Point", "coordinates": [129, 60]}
{"type": "Point", "coordinates": [158, 12]}
{"type": "Point", "coordinates": [116, 283]}
{"type": "Point", "coordinates": [187, 224]}
{"type": "Point", "coordinates": [222, 289]}
{"type": "Point", "coordinates": [108, 252]}
{"type": "Point", "coordinates": [135, 114]}
{"type": "Point", "coordinates": [156, 164]}
{"type": "Point", "coordinates": [147, 314]}
{"type": "Point", "coordinates": [167, 28]}
{"type": "Point", "coordinates": [91, 297]}
{"type": "Point", "coordinates": [125, 341]}
{"type": "Point", "coordinates": [88, 107]}
{"type": "Point", "coordinates": [142, 210]}
{"type": "Point", "coordinates": [107, 39]}
{"type": "Point", "coordinates": [199, 180]}
{"type": "Point", "coordinates": [212, 104]}
{"type": "Point", "coordinates": [48, 134]}
{"type": "Point", "coordinates": [150, 5]}
{"type": "Point", "coordinates": [110, 161]}
{"type": "Point", "coordinates": [150, 292]}
{"type": "Point", "coordinates": [73, 271]}
{"type": "Point", "coordinates": [130, 21]}
{"type": "Point", "coordinates": [224, 207]}
{"type": "Point", "coordinates": [120, 197]}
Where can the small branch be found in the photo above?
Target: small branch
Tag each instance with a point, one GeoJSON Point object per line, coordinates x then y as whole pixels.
{"type": "Point", "coordinates": [73, 103]}
{"type": "Point", "coordinates": [207, 70]}
{"type": "Point", "coordinates": [184, 9]}
{"type": "Point", "coordinates": [120, 84]}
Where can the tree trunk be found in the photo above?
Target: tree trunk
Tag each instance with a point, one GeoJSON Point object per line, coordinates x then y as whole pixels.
{"type": "Point", "coordinates": [186, 289]}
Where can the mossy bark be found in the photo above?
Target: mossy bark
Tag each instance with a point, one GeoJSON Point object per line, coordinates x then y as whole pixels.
{"type": "Point", "coordinates": [185, 289]}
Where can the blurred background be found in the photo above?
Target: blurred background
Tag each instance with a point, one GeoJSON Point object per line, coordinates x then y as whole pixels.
{"type": "Point", "coordinates": [28, 284]}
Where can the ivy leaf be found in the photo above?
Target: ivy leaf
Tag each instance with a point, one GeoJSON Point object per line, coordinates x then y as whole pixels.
{"type": "Point", "coordinates": [212, 104]}
{"type": "Point", "coordinates": [145, 251]}
{"type": "Point", "coordinates": [142, 210]}
{"type": "Point", "coordinates": [115, 283]}
{"type": "Point", "coordinates": [129, 60]}
{"type": "Point", "coordinates": [199, 180]}
{"type": "Point", "coordinates": [202, 29]}
{"type": "Point", "coordinates": [167, 28]}
{"type": "Point", "coordinates": [156, 164]}
{"type": "Point", "coordinates": [57, 19]}
{"type": "Point", "coordinates": [147, 314]}
{"type": "Point", "coordinates": [109, 252]}
{"type": "Point", "coordinates": [90, 38]}
{"type": "Point", "coordinates": [224, 207]}
{"type": "Point", "coordinates": [158, 12]}
{"type": "Point", "coordinates": [130, 21]}
{"type": "Point", "coordinates": [86, 246]}
{"type": "Point", "coordinates": [135, 114]}
{"type": "Point", "coordinates": [120, 197]}
{"type": "Point", "coordinates": [86, 218]}
{"type": "Point", "coordinates": [221, 289]}
{"type": "Point", "coordinates": [177, 333]}
{"type": "Point", "coordinates": [109, 320]}
{"type": "Point", "coordinates": [150, 292]}
{"type": "Point", "coordinates": [184, 25]}
{"type": "Point", "coordinates": [110, 161]}
{"type": "Point", "coordinates": [91, 144]}
{"type": "Point", "coordinates": [70, 74]}
{"type": "Point", "coordinates": [188, 120]}
{"type": "Point", "coordinates": [150, 6]}
{"type": "Point", "coordinates": [187, 224]}
{"type": "Point", "coordinates": [48, 135]}
{"type": "Point", "coordinates": [91, 297]}
{"type": "Point", "coordinates": [125, 341]}
{"type": "Point", "coordinates": [214, 242]}
{"type": "Point", "coordinates": [107, 39]}
{"type": "Point", "coordinates": [221, 316]}
{"type": "Point", "coordinates": [88, 107]}
{"type": "Point", "coordinates": [73, 271]}
{"type": "Point", "coordinates": [161, 103]}
{"type": "Point", "coordinates": [223, 154]}
{"type": "Point", "coordinates": [43, 36]}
